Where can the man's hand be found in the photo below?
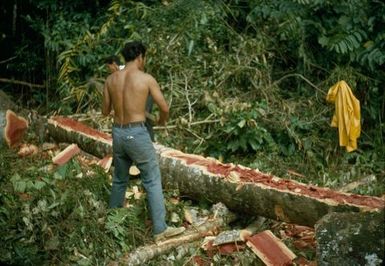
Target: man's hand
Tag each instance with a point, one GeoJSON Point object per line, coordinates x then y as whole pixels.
{"type": "Point", "coordinates": [163, 118]}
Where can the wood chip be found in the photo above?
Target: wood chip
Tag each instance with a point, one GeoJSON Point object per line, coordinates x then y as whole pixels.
{"type": "Point", "coordinates": [270, 249]}
{"type": "Point", "coordinates": [106, 163]}
{"type": "Point", "coordinates": [134, 171]}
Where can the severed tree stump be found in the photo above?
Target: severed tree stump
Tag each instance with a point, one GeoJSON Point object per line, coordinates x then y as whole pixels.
{"type": "Point", "coordinates": [240, 188]}
{"type": "Point", "coordinates": [12, 128]}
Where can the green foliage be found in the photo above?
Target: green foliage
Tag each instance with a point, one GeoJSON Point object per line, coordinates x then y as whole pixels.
{"type": "Point", "coordinates": [244, 79]}
{"type": "Point", "coordinates": [125, 224]}
{"type": "Point", "coordinates": [82, 72]}
{"type": "Point", "coordinates": [240, 131]}
{"type": "Point", "coordinates": [209, 50]}
{"type": "Point", "coordinates": [52, 218]}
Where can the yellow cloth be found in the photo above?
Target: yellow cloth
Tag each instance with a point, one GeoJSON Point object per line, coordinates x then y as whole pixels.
{"type": "Point", "coordinates": [347, 114]}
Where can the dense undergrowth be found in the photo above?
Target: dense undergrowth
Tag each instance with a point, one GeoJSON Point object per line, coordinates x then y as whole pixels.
{"type": "Point", "coordinates": [60, 216]}
{"type": "Point", "coordinates": [249, 91]}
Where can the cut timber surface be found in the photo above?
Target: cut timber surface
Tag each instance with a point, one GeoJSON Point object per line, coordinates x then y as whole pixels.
{"type": "Point", "coordinates": [270, 249]}
{"type": "Point", "coordinates": [252, 192]}
{"type": "Point", "coordinates": [106, 163]}
{"type": "Point", "coordinates": [12, 128]}
{"type": "Point", "coordinates": [66, 154]}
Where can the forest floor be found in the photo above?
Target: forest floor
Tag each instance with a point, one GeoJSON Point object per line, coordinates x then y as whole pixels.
{"type": "Point", "coordinates": [58, 214]}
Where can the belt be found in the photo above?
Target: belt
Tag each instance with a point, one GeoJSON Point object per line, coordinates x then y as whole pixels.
{"type": "Point", "coordinates": [131, 124]}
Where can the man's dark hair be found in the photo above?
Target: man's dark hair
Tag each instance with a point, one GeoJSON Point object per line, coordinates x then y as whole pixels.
{"type": "Point", "coordinates": [112, 59]}
{"type": "Point", "coordinates": [132, 50]}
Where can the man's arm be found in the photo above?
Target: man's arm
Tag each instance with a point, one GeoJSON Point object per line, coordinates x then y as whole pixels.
{"type": "Point", "coordinates": [159, 100]}
{"type": "Point", "coordinates": [106, 108]}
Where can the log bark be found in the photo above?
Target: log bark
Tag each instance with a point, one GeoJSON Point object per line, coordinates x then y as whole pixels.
{"type": "Point", "coordinates": [240, 188]}
{"type": "Point", "coordinates": [239, 235]}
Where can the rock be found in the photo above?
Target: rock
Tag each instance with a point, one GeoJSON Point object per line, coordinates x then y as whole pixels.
{"type": "Point", "coordinates": [350, 239]}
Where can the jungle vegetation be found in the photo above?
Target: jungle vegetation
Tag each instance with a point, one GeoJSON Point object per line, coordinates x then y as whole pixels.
{"type": "Point", "coordinates": [246, 80]}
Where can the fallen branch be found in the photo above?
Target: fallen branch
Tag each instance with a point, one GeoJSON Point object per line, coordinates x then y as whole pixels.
{"type": "Point", "coordinates": [303, 78]}
{"type": "Point", "coordinates": [353, 185]}
{"type": "Point", "coordinates": [7, 60]}
{"type": "Point", "coordinates": [19, 82]}
{"type": "Point", "coordinates": [145, 253]}
{"type": "Point", "coordinates": [190, 124]}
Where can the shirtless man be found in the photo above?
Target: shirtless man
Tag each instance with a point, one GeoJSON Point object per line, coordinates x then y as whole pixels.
{"type": "Point", "coordinates": [126, 93]}
{"type": "Point", "coordinates": [113, 64]}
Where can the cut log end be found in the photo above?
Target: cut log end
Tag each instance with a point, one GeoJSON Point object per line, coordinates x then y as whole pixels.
{"type": "Point", "coordinates": [15, 128]}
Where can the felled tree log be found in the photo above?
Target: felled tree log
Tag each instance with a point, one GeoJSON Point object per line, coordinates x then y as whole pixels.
{"type": "Point", "coordinates": [241, 189]}
{"type": "Point", "coordinates": [88, 139]}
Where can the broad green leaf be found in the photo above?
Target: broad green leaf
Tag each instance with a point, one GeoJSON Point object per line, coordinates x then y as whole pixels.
{"type": "Point", "coordinates": [61, 172]}
{"type": "Point", "coordinates": [254, 145]}
{"type": "Point", "coordinates": [19, 185]}
{"type": "Point", "coordinates": [190, 47]}
{"type": "Point", "coordinates": [323, 40]}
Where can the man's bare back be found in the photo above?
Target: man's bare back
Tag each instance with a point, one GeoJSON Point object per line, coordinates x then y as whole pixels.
{"type": "Point", "coordinates": [126, 92]}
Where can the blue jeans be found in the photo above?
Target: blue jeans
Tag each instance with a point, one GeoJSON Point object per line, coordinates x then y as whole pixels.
{"type": "Point", "coordinates": [134, 145]}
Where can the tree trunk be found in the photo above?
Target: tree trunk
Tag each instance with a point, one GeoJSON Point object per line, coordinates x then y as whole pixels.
{"type": "Point", "coordinates": [241, 189]}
